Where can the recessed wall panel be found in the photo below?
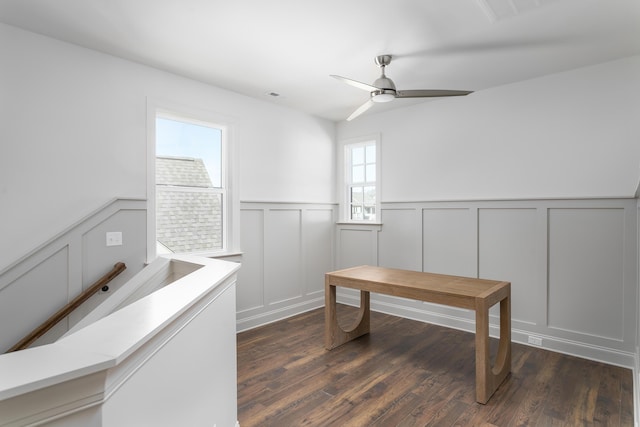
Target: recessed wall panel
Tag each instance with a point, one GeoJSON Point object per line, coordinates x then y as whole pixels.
{"type": "Point", "coordinates": [449, 241]}
{"type": "Point", "coordinates": [508, 251]}
{"type": "Point", "coordinates": [283, 257]}
{"type": "Point", "coordinates": [318, 237]}
{"type": "Point", "coordinates": [356, 247]}
{"type": "Point", "coordinates": [99, 258]}
{"type": "Point", "coordinates": [43, 290]}
{"type": "Point", "coordinates": [398, 242]}
{"type": "Point", "coordinates": [586, 287]}
{"type": "Point", "coordinates": [249, 289]}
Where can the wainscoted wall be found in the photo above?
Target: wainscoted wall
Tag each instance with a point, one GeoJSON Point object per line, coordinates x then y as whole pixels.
{"type": "Point", "coordinates": [287, 248]}
{"type": "Point", "coordinates": [573, 265]}
{"type": "Point", "coordinates": [40, 283]}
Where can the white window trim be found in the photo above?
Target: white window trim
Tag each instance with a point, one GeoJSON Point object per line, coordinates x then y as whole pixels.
{"type": "Point", "coordinates": [231, 205]}
{"type": "Point", "coordinates": [343, 178]}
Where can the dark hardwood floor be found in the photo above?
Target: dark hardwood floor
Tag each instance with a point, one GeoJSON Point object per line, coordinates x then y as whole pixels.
{"type": "Point", "coordinates": [409, 373]}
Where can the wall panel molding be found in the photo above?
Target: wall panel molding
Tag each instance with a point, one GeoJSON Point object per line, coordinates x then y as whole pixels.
{"type": "Point", "coordinates": [287, 248]}
{"type": "Point", "coordinates": [573, 265]}
{"type": "Point", "coordinates": [515, 240]}
{"type": "Point", "coordinates": [357, 244]}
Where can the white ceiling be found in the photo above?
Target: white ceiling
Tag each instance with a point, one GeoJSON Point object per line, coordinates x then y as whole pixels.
{"type": "Point", "coordinates": [290, 47]}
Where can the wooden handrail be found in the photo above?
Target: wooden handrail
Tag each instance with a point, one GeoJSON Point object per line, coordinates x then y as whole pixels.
{"type": "Point", "coordinates": [68, 308]}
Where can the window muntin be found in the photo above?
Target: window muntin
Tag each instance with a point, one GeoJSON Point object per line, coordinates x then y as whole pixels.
{"type": "Point", "coordinates": [361, 186]}
{"type": "Point", "coordinates": [189, 186]}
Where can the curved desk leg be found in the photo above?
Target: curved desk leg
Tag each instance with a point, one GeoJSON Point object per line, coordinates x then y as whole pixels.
{"type": "Point", "coordinates": [488, 379]}
{"type": "Point", "coordinates": [334, 335]}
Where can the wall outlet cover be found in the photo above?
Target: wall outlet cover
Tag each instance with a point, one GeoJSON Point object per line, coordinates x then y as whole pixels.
{"type": "Point", "coordinates": [535, 341]}
{"type": "Point", "coordinates": [114, 238]}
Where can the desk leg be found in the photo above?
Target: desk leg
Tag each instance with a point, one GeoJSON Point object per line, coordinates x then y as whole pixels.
{"type": "Point", "coordinates": [334, 335]}
{"type": "Point", "coordinates": [488, 379]}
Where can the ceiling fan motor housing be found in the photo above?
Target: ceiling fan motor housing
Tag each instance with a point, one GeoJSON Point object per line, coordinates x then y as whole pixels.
{"type": "Point", "coordinates": [386, 88]}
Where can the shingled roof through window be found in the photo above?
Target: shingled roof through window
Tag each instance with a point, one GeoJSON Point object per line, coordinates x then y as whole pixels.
{"type": "Point", "coordinates": [181, 172]}
{"type": "Point", "coordinates": [188, 215]}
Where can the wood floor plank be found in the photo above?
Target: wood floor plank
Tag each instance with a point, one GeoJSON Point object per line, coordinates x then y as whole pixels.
{"type": "Point", "coordinates": [409, 373]}
{"type": "Point", "coordinates": [626, 398]}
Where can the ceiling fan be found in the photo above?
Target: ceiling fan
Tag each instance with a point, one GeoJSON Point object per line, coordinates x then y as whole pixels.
{"type": "Point", "coordinates": [384, 90]}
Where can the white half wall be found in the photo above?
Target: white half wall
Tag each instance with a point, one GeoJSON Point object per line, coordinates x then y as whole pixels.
{"type": "Point", "coordinates": [166, 359]}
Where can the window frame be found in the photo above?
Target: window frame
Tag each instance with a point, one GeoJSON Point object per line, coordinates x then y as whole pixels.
{"type": "Point", "coordinates": [345, 182]}
{"type": "Point", "coordinates": [230, 204]}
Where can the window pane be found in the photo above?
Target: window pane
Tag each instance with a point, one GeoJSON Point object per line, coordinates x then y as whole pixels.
{"type": "Point", "coordinates": [369, 195]}
{"type": "Point", "coordinates": [361, 178]}
{"type": "Point", "coordinates": [357, 156]}
{"type": "Point", "coordinates": [356, 195]}
{"type": "Point", "coordinates": [356, 213]}
{"type": "Point", "coordinates": [371, 173]}
{"type": "Point", "coordinates": [370, 213]}
{"type": "Point", "coordinates": [371, 153]}
{"type": "Point", "coordinates": [357, 174]}
{"type": "Point", "coordinates": [189, 140]}
{"type": "Point", "coordinates": [188, 220]}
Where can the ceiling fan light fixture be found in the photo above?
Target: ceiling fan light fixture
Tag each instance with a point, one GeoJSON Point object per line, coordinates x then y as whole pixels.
{"type": "Point", "coordinates": [383, 96]}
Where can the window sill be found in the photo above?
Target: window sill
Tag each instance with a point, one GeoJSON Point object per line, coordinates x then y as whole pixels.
{"type": "Point", "coordinates": [359, 225]}
{"type": "Point", "coordinates": [225, 254]}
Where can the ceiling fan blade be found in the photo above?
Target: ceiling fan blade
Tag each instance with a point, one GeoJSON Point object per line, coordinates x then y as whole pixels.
{"type": "Point", "coordinates": [355, 83]}
{"type": "Point", "coordinates": [430, 93]}
{"type": "Point", "coordinates": [361, 109]}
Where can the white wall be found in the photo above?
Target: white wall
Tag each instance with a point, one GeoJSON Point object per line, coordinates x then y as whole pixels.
{"type": "Point", "coordinates": [73, 127]}
{"type": "Point", "coordinates": [573, 134]}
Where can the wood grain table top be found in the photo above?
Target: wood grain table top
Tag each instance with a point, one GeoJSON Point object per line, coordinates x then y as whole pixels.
{"type": "Point", "coordinates": [438, 288]}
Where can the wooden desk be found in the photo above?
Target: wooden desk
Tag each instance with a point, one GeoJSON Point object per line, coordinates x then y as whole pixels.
{"type": "Point", "coordinates": [463, 292]}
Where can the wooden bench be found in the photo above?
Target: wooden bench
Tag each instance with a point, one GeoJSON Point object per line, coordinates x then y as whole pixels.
{"type": "Point", "coordinates": [475, 294]}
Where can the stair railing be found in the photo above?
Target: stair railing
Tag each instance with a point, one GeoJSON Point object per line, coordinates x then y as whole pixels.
{"type": "Point", "coordinates": [118, 268]}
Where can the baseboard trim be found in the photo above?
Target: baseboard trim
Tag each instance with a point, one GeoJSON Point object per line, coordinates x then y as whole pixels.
{"type": "Point", "coordinates": [255, 318]}
{"type": "Point", "coordinates": [551, 343]}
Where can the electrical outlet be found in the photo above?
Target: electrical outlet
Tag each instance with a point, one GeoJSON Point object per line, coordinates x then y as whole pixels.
{"type": "Point", "coordinates": [114, 238]}
{"type": "Point", "coordinates": [535, 341]}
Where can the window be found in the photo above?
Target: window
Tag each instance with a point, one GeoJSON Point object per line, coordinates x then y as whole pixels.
{"type": "Point", "coordinates": [191, 178]}
{"type": "Point", "coordinates": [361, 175]}
{"type": "Point", "coordinates": [191, 181]}
{"type": "Point", "coordinates": [189, 188]}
